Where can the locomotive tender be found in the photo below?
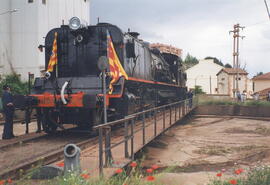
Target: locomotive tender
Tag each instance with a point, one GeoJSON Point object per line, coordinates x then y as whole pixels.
{"type": "Point", "coordinates": [72, 92]}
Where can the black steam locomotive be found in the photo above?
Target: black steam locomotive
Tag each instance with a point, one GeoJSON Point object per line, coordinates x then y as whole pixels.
{"type": "Point", "coordinates": [72, 92]}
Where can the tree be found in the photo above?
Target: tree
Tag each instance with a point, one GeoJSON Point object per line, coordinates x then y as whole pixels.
{"type": "Point", "coordinates": [198, 90]}
{"type": "Point", "coordinates": [228, 65]}
{"type": "Point", "coordinates": [14, 81]}
{"type": "Point", "coordinates": [258, 74]}
{"type": "Point", "coordinates": [217, 61]}
{"type": "Point", "coordinates": [190, 61]}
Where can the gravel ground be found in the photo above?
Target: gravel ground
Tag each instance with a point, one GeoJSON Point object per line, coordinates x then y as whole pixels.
{"type": "Point", "coordinates": [196, 152]}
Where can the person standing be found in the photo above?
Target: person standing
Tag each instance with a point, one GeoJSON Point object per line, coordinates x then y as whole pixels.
{"type": "Point", "coordinates": [8, 109]}
{"type": "Point", "coordinates": [190, 96]}
{"type": "Point", "coordinates": [268, 96]}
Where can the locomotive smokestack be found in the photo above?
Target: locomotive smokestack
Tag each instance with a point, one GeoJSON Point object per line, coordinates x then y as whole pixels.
{"type": "Point", "coordinates": [134, 34]}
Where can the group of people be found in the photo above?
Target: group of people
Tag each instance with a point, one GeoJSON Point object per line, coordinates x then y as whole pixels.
{"type": "Point", "coordinates": [241, 96]}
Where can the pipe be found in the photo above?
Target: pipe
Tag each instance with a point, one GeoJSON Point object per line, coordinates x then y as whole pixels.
{"type": "Point", "coordinates": [63, 93]}
{"type": "Point", "coordinates": [72, 159]}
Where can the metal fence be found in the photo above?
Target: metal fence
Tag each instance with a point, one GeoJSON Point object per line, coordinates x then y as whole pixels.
{"type": "Point", "coordinates": [145, 126]}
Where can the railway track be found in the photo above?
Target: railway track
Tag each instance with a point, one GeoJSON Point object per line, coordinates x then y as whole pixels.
{"type": "Point", "coordinates": [48, 149]}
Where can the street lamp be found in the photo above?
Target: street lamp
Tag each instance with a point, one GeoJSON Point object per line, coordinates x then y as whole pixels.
{"type": "Point", "coordinates": [9, 11]}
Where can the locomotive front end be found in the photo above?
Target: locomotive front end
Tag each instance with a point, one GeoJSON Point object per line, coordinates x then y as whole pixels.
{"type": "Point", "coordinates": [69, 92]}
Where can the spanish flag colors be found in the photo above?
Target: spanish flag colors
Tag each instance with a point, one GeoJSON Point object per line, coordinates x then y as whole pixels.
{"type": "Point", "coordinates": [53, 59]}
{"type": "Point", "coordinates": [116, 69]}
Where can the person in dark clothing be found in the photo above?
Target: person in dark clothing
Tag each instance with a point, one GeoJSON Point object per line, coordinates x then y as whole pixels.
{"type": "Point", "coordinates": [8, 110]}
{"type": "Point", "coordinates": [190, 96]}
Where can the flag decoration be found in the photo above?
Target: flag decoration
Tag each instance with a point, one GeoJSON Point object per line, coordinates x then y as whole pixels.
{"type": "Point", "coordinates": [53, 59]}
{"type": "Point", "coordinates": [116, 69]}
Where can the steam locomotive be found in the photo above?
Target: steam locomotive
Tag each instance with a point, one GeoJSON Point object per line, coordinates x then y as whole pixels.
{"type": "Point", "coordinates": [72, 92]}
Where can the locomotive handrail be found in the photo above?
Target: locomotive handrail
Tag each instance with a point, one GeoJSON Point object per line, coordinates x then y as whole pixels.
{"type": "Point", "coordinates": [176, 110]}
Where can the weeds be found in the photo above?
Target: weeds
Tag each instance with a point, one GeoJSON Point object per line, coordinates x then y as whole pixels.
{"type": "Point", "coordinates": [231, 102]}
{"type": "Point", "coordinates": [256, 176]}
{"type": "Point", "coordinates": [213, 150]}
{"type": "Point", "coordinates": [262, 131]}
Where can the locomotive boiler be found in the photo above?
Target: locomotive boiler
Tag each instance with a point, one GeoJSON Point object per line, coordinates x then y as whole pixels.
{"type": "Point", "coordinates": [71, 90]}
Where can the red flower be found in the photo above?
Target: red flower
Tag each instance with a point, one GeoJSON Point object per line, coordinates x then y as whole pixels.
{"type": "Point", "coordinates": [237, 172]}
{"type": "Point", "coordinates": [61, 164]}
{"type": "Point", "coordinates": [149, 170]}
{"type": "Point", "coordinates": [2, 182]}
{"type": "Point", "coordinates": [154, 167]}
{"type": "Point", "coordinates": [85, 176]}
{"type": "Point", "coordinates": [219, 174]}
{"type": "Point", "coordinates": [9, 181]}
{"type": "Point", "coordinates": [133, 164]}
{"type": "Point", "coordinates": [150, 178]}
{"type": "Point", "coordinates": [241, 170]}
{"type": "Point", "coordinates": [233, 181]}
{"type": "Point", "coordinates": [119, 171]}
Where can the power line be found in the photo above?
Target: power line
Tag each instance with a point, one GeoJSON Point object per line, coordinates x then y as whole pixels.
{"type": "Point", "coordinates": [266, 5]}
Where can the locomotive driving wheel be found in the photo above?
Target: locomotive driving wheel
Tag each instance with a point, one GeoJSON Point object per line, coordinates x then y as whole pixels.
{"type": "Point", "coordinates": [49, 121]}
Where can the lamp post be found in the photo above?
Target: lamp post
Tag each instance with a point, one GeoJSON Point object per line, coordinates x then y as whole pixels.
{"type": "Point", "coordinates": [9, 11]}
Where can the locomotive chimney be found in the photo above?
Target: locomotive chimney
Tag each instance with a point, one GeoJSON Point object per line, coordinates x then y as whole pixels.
{"type": "Point", "coordinates": [134, 34]}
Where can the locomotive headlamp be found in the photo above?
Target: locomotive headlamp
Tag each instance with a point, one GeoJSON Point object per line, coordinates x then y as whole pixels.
{"type": "Point", "coordinates": [74, 23]}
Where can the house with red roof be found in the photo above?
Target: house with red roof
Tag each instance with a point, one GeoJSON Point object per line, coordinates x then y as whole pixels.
{"type": "Point", "coordinates": [261, 83]}
{"type": "Point", "coordinates": [226, 81]}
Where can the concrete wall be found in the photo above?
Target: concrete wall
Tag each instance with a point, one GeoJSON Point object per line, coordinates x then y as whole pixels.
{"type": "Point", "coordinates": [233, 110]}
{"type": "Point", "coordinates": [204, 75]}
{"type": "Point", "coordinates": [261, 85]}
{"type": "Point", "coordinates": [5, 37]}
{"type": "Point", "coordinates": [24, 38]}
{"type": "Point", "coordinates": [27, 28]}
{"type": "Point", "coordinates": [223, 83]}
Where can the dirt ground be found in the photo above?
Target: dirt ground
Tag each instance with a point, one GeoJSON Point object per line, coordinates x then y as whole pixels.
{"type": "Point", "coordinates": [194, 153]}
{"type": "Point", "coordinates": [19, 129]}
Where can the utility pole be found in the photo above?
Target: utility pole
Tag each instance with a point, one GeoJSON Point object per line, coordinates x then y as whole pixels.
{"type": "Point", "coordinates": [236, 66]}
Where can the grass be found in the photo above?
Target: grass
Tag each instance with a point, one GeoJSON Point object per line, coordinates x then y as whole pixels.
{"type": "Point", "coordinates": [213, 150]}
{"type": "Point", "coordinates": [232, 102]}
{"type": "Point", "coordinates": [262, 131]}
{"type": "Point", "coordinates": [256, 176]}
{"type": "Point", "coordinates": [133, 175]}
{"type": "Point", "coordinates": [133, 178]}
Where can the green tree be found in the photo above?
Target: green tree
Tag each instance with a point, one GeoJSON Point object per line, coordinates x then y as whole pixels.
{"type": "Point", "coordinates": [217, 61]}
{"type": "Point", "coordinates": [228, 65]}
{"type": "Point", "coordinates": [198, 90]}
{"type": "Point", "coordinates": [16, 84]}
{"type": "Point", "coordinates": [190, 61]}
{"type": "Point", "coordinates": [258, 74]}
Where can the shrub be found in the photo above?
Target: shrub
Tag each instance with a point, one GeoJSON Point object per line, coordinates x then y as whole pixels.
{"type": "Point", "coordinates": [16, 84]}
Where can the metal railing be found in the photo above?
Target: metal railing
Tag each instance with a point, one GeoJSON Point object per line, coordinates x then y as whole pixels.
{"type": "Point", "coordinates": [162, 118]}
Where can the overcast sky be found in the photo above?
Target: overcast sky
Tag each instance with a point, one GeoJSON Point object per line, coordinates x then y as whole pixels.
{"type": "Point", "coordinates": [199, 27]}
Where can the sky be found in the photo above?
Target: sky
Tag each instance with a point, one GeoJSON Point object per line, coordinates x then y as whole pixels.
{"type": "Point", "coordinates": [199, 27]}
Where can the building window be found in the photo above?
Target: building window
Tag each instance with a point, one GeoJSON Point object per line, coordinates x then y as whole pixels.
{"type": "Point", "coordinates": [222, 79]}
{"type": "Point", "coordinates": [30, 1]}
{"type": "Point", "coordinates": [43, 1]}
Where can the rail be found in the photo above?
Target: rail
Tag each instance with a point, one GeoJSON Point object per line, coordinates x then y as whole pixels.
{"type": "Point", "coordinates": [138, 125]}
